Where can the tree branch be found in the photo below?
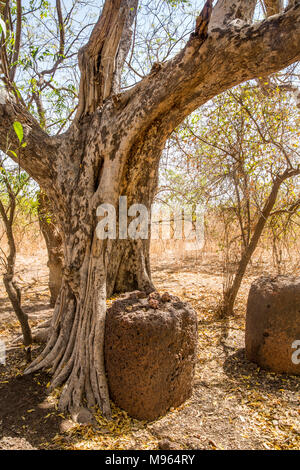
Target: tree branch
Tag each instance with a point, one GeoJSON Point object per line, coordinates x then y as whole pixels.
{"type": "Point", "coordinates": [101, 58]}
{"type": "Point", "coordinates": [227, 11]}
{"type": "Point", "coordinates": [61, 51]}
{"type": "Point", "coordinates": [205, 68]}
{"type": "Point", "coordinates": [17, 44]}
{"type": "Point", "coordinates": [125, 44]}
{"type": "Point", "coordinates": [61, 28]}
{"type": "Point", "coordinates": [37, 157]}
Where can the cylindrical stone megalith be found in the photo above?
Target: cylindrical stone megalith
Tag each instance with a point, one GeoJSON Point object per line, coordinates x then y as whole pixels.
{"type": "Point", "coordinates": [150, 352]}
{"type": "Point", "coordinates": [273, 324]}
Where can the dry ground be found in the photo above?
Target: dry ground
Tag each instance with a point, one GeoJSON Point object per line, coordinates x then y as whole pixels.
{"type": "Point", "coordinates": [235, 405]}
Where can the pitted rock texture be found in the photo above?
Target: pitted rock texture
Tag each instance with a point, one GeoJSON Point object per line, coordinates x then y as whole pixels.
{"type": "Point", "coordinates": [150, 353]}
{"type": "Point", "coordinates": [273, 323]}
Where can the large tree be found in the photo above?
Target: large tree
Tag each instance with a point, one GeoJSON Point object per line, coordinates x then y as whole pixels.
{"type": "Point", "coordinates": [113, 147]}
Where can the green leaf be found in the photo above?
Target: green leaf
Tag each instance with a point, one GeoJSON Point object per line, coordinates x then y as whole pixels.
{"type": "Point", "coordinates": [18, 130]}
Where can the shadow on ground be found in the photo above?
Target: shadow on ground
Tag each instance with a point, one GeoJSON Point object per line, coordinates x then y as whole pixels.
{"type": "Point", "coordinates": [26, 419]}
{"type": "Point", "coordinates": [237, 367]}
{"type": "Point", "coordinates": [5, 306]}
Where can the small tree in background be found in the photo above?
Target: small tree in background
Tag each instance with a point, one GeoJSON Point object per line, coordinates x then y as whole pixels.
{"type": "Point", "coordinates": [14, 194]}
{"type": "Point", "coordinates": [241, 153]}
{"type": "Point", "coordinates": [53, 240]}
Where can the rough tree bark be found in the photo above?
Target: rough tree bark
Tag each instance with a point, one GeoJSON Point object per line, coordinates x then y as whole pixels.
{"type": "Point", "coordinates": [53, 242]}
{"type": "Point", "coordinates": [113, 148]}
{"type": "Point", "coordinates": [273, 7]}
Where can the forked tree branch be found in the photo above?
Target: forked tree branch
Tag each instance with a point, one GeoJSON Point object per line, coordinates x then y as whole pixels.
{"type": "Point", "coordinates": [206, 67]}
{"type": "Point", "coordinates": [210, 63]}
{"type": "Point", "coordinates": [38, 154]}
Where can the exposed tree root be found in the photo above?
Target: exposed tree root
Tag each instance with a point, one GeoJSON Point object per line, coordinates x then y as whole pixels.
{"type": "Point", "coordinates": [74, 350]}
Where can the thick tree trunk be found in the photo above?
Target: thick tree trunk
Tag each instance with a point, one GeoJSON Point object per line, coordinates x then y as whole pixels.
{"type": "Point", "coordinates": [54, 247]}
{"type": "Point", "coordinates": [74, 349]}
{"type": "Point", "coordinates": [96, 268]}
{"type": "Point", "coordinates": [129, 268]}
{"type": "Point", "coordinates": [75, 346]}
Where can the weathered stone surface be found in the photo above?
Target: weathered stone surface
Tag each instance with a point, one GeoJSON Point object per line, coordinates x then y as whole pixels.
{"type": "Point", "coordinates": [150, 354]}
{"type": "Point", "coordinates": [273, 323]}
